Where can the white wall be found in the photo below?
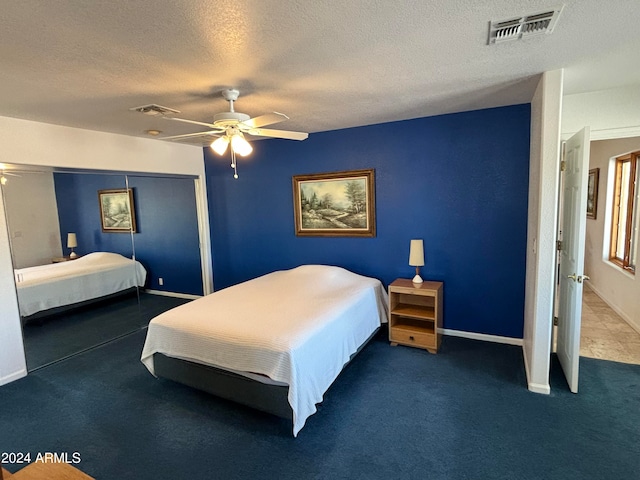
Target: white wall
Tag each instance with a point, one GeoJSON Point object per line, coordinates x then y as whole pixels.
{"type": "Point", "coordinates": [611, 113]}
{"type": "Point", "coordinates": [32, 218]}
{"type": "Point", "coordinates": [619, 289]}
{"type": "Point", "coordinates": [546, 107]}
{"type": "Point", "coordinates": [33, 143]}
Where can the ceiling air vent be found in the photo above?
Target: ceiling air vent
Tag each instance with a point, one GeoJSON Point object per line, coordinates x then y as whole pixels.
{"type": "Point", "coordinates": [155, 110]}
{"type": "Point", "coordinates": [523, 27]}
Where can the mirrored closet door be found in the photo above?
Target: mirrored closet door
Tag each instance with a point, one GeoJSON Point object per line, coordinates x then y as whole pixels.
{"type": "Point", "coordinates": [166, 241]}
{"type": "Point", "coordinates": [73, 279]}
{"type": "Point", "coordinates": [97, 255]}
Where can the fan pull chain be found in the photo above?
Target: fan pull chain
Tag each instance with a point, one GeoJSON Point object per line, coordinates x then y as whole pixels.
{"type": "Point", "coordinates": [234, 164]}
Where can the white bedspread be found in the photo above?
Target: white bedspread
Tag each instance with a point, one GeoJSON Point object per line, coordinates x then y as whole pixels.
{"type": "Point", "coordinates": [296, 326]}
{"type": "Point", "coordinates": [65, 283]}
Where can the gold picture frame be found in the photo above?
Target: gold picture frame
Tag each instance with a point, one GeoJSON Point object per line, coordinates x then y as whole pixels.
{"type": "Point", "coordinates": [337, 204]}
{"type": "Point", "coordinates": [117, 211]}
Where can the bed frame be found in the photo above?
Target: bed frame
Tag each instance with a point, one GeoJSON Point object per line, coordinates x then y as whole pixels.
{"type": "Point", "coordinates": [221, 383]}
{"type": "Point", "coordinates": [38, 317]}
{"type": "Point", "coordinates": [272, 399]}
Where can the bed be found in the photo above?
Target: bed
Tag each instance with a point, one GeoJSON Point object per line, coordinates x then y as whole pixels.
{"type": "Point", "coordinates": [46, 288]}
{"type": "Point", "coordinates": [275, 343]}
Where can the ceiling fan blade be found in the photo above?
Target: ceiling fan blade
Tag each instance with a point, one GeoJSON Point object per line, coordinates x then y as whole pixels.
{"type": "Point", "coordinates": [212, 133]}
{"type": "Point", "coordinates": [268, 132]}
{"type": "Point", "coordinates": [210, 125]}
{"type": "Point", "coordinates": [266, 119]}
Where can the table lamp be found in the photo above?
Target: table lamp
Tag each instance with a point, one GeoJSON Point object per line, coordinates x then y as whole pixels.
{"type": "Point", "coordinates": [416, 258]}
{"type": "Point", "coordinates": [72, 242]}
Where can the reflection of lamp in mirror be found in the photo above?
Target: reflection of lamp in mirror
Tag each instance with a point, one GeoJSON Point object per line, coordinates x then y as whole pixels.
{"type": "Point", "coordinates": [72, 242]}
{"type": "Point", "coordinates": [416, 258]}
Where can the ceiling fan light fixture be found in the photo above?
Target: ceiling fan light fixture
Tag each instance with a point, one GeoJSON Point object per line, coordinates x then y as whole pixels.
{"type": "Point", "coordinates": [240, 145]}
{"type": "Point", "coordinates": [3, 180]}
{"type": "Point", "coordinates": [220, 145]}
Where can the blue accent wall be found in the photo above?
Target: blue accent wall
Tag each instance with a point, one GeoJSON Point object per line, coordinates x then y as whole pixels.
{"type": "Point", "coordinates": [79, 212]}
{"type": "Point", "coordinates": [166, 243]}
{"type": "Point", "coordinates": [458, 181]}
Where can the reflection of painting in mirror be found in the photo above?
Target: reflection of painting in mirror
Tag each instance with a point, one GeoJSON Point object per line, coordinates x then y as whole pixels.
{"type": "Point", "coordinates": [117, 212]}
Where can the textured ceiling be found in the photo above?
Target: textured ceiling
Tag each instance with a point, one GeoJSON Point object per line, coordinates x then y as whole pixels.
{"type": "Point", "coordinates": [326, 64]}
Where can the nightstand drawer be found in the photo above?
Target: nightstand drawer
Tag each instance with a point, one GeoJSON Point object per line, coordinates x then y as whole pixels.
{"type": "Point", "coordinates": [409, 337]}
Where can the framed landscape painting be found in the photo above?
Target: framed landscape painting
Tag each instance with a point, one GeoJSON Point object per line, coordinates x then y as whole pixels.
{"type": "Point", "coordinates": [117, 212]}
{"type": "Point", "coordinates": [338, 204]}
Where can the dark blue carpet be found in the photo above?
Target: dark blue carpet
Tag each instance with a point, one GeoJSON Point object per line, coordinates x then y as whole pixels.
{"type": "Point", "coordinates": [395, 412]}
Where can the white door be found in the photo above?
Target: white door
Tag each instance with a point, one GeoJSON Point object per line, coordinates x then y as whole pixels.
{"type": "Point", "coordinates": [574, 220]}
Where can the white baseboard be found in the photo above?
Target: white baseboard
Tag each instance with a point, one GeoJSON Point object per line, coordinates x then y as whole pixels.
{"type": "Point", "coordinates": [481, 336]}
{"type": "Point", "coordinates": [624, 316]}
{"type": "Point", "coordinates": [534, 387]}
{"type": "Point", "coordinates": [539, 388]}
{"type": "Point", "coordinates": [172, 294]}
{"type": "Point", "coordinates": [13, 376]}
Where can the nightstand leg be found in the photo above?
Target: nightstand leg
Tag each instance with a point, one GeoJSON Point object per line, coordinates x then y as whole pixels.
{"type": "Point", "coordinates": [394, 344]}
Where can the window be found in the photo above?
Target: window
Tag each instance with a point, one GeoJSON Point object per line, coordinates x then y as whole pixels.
{"type": "Point", "coordinates": [625, 216]}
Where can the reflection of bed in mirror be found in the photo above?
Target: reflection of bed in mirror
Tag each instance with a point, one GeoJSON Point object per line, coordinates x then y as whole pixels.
{"type": "Point", "coordinates": [47, 289]}
{"type": "Point", "coordinates": [275, 343]}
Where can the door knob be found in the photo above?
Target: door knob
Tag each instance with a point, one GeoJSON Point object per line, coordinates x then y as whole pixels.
{"type": "Point", "coordinates": [573, 277]}
{"type": "Point", "coordinates": [586, 277]}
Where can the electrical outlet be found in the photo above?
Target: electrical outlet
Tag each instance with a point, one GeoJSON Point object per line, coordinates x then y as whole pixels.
{"type": "Point", "coordinates": [161, 281]}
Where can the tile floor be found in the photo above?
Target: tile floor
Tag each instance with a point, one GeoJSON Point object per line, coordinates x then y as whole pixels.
{"type": "Point", "coordinates": [604, 334]}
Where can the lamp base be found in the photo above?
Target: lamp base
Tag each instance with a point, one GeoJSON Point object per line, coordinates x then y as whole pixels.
{"type": "Point", "coordinates": [417, 279]}
{"type": "Point", "coordinates": [74, 255]}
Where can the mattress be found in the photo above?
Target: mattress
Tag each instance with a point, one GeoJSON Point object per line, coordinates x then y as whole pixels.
{"type": "Point", "coordinates": [66, 283]}
{"type": "Point", "coordinates": [298, 327]}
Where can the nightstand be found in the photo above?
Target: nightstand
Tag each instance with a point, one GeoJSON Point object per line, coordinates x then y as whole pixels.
{"type": "Point", "coordinates": [63, 259]}
{"type": "Point", "coordinates": [415, 314]}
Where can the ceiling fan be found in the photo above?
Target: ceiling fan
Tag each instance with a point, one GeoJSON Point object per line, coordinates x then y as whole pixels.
{"type": "Point", "coordinates": [230, 128]}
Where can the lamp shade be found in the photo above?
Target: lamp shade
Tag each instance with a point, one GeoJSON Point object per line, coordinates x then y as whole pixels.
{"type": "Point", "coordinates": [72, 240]}
{"type": "Point", "coordinates": [416, 253]}
{"type": "Point", "coordinates": [240, 145]}
{"type": "Point", "coordinates": [220, 145]}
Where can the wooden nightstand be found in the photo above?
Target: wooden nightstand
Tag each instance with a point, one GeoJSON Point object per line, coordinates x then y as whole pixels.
{"type": "Point", "coordinates": [63, 259]}
{"type": "Point", "coordinates": [415, 314]}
